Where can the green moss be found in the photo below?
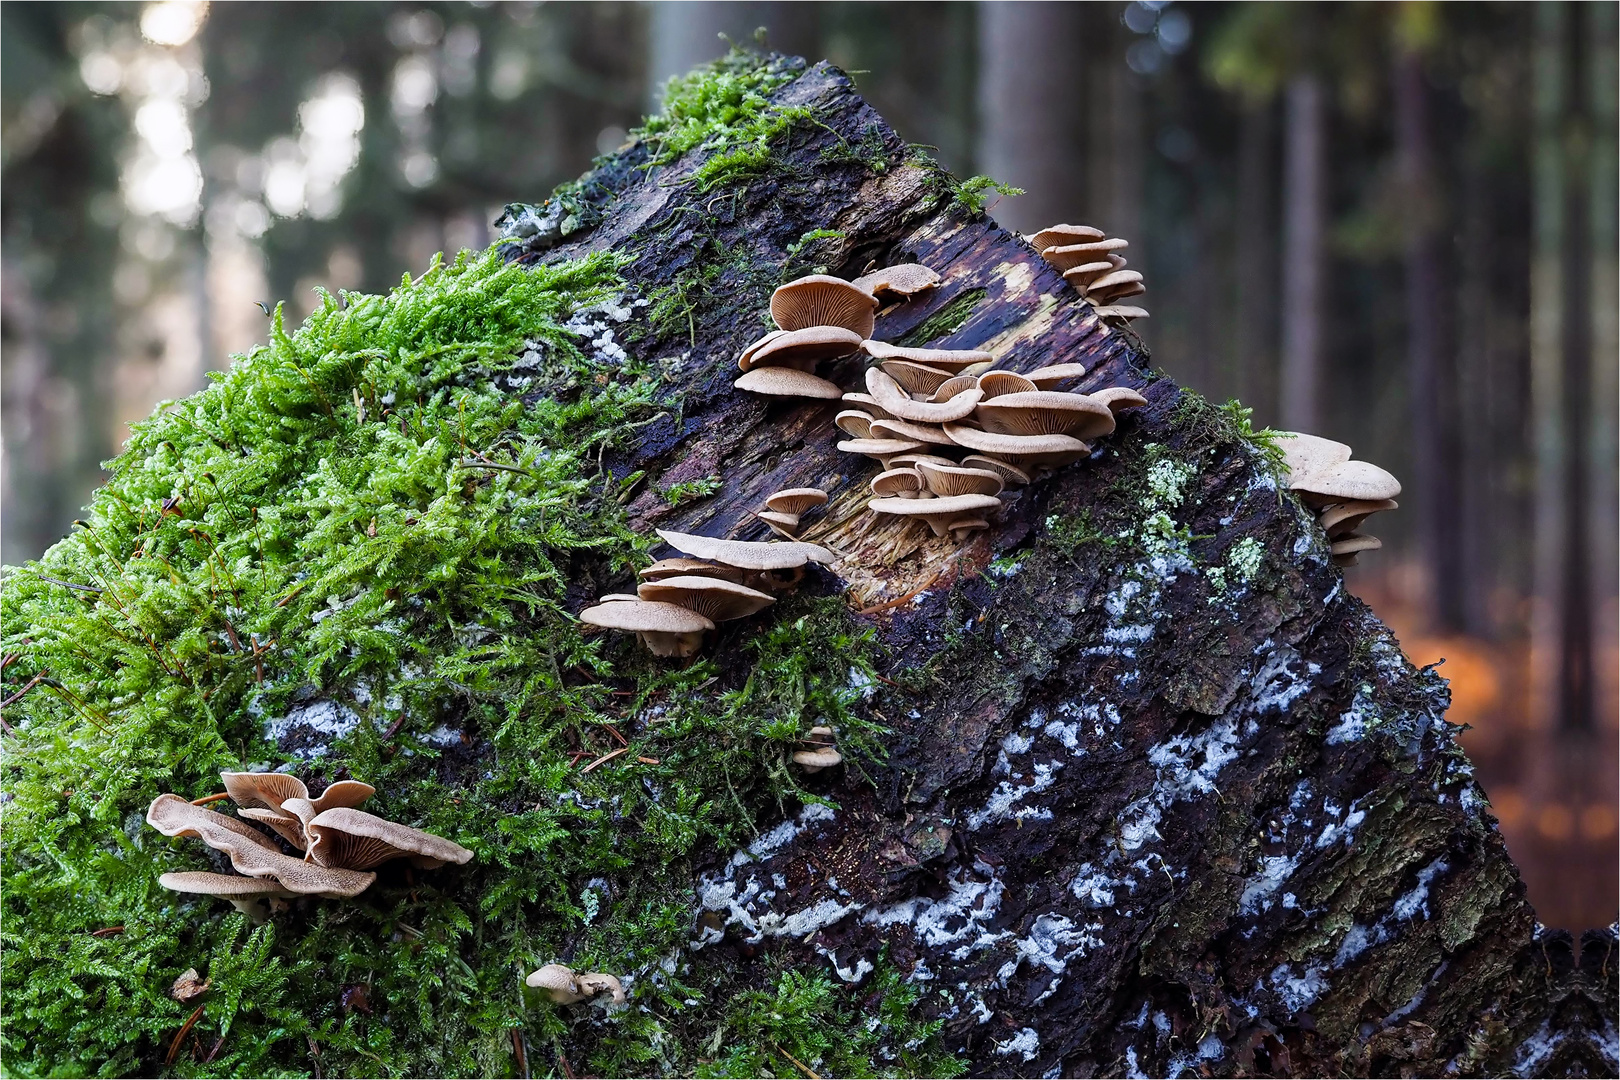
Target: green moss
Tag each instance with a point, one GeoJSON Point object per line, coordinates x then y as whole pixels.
{"type": "Point", "coordinates": [690, 490]}
{"type": "Point", "coordinates": [946, 321]}
{"type": "Point", "coordinates": [974, 192]}
{"type": "Point", "coordinates": [355, 513]}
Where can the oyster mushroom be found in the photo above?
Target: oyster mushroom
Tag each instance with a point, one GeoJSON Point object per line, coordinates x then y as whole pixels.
{"type": "Point", "coordinates": [897, 402]}
{"type": "Point", "coordinates": [261, 796]}
{"type": "Point", "coordinates": [1069, 256]}
{"type": "Point", "coordinates": [868, 404]}
{"type": "Point", "coordinates": [745, 554]}
{"type": "Point", "coordinates": [881, 449]}
{"type": "Point", "coordinates": [1344, 551]}
{"type": "Point", "coordinates": [1045, 451]}
{"type": "Point", "coordinates": [941, 514]}
{"type": "Point", "coordinates": [250, 851]}
{"type": "Point", "coordinates": [1118, 398]}
{"type": "Point", "coordinates": [918, 380]}
{"type": "Point", "coordinates": [818, 752]}
{"type": "Point", "coordinates": [902, 281]}
{"type": "Point", "coordinates": [1062, 235]}
{"type": "Point", "coordinates": [715, 600]}
{"type": "Point", "coordinates": [959, 384]}
{"type": "Point", "coordinates": [900, 484]}
{"type": "Point", "coordinates": [855, 423]}
{"type": "Point", "coordinates": [1116, 285]}
{"type": "Point", "coordinates": [905, 430]}
{"type": "Point", "coordinates": [1339, 520]}
{"type": "Point", "coordinates": [1047, 378]}
{"type": "Point", "coordinates": [245, 894]}
{"type": "Point", "coordinates": [679, 567]}
{"type": "Point", "coordinates": [1045, 412]}
{"type": "Point", "coordinates": [796, 501]}
{"type": "Point", "coordinates": [948, 481]}
{"type": "Point", "coordinates": [823, 300]}
{"type": "Point", "coordinates": [566, 988]}
{"type": "Point", "coordinates": [356, 840]}
{"type": "Point", "coordinates": [1306, 454]}
{"type": "Point", "coordinates": [1358, 480]}
{"type": "Point", "coordinates": [1121, 311]}
{"type": "Point", "coordinates": [788, 382]}
{"type": "Point", "coordinates": [801, 349]}
{"type": "Point", "coordinates": [949, 360]}
{"type": "Point", "coordinates": [994, 384]}
{"type": "Point", "coordinates": [666, 629]}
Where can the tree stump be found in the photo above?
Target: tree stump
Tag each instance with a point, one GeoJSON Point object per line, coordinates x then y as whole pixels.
{"type": "Point", "coordinates": [1162, 797]}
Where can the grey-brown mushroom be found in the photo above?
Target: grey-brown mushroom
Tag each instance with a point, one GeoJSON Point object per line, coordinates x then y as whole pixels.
{"type": "Point", "coordinates": [823, 300]}
{"type": "Point", "coordinates": [788, 382]}
{"type": "Point", "coordinates": [801, 349]}
{"type": "Point", "coordinates": [245, 894]}
{"type": "Point", "coordinates": [356, 840]}
{"type": "Point", "coordinates": [667, 630]}
{"type": "Point", "coordinates": [714, 599]}
{"type": "Point", "coordinates": [901, 281]}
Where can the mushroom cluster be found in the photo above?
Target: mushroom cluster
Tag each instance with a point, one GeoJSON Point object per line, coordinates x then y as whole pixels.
{"type": "Point", "coordinates": [785, 509]}
{"type": "Point", "coordinates": [565, 987]}
{"type": "Point", "coordinates": [818, 751]}
{"type": "Point", "coordinates": [1344, 493]}
{"type": "Point", "coordinates": [923, 405]}
{"type": "Point", "coordinates": [681, 599]}
{"type": "Point", "coordinates": [340, 843]}
{"type": "Point", "coordinates": [1090, 261]}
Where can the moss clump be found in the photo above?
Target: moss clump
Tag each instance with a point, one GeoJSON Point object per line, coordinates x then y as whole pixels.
{"type": "Point", "coordinates": [355, 522]}
{"type": "Point", "coordinates": [946, 321]}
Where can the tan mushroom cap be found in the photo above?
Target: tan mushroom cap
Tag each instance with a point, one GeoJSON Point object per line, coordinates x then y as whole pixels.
{"type": "Point", "coordinates": [1010, 474]}
{"type": "Point", "coordinates": [878, 448]}
{"type": "Point", "coordinates": [559, 983]}
{"type": "Point", "coordinates": [1046, 412]}
{"type": "Point", "coordinates": [802, 349]}
{"type": "Point", "coordinates": [918, 380]}
{"type": "Point", "coordinates": [784, 525]}
{"type": "Point", "coordinates": [948, 481]}
{"type": "Point", "coordinates": [679, 567]}
{"type": "Point", "coordinates": [910, 458]}
{"type": "Point", "coordinates": [1068, 256]}
{"type": "Point", "coordinates": [250, 851]}
{"type": "Point", "coordinates": [931, 434]}
{"type": "Point", "coordinates": [1046, 378]}
{"type": "Point", "coordinates": [855, 423]}
{"type": "Point", "coordinates": [617, 598]}
{"type": "Point", "coordinates": [951, 360]}
{"type": "Point", "coordinates": [788, 382]}
{"type": "Point", "coordinates": [999, 383]}
{"type": "Point", "coordinates": [961, 527]}
{"type": "Point", "coordinates": [796, 500]}
{"type": "Point", "coordinates": [666, 629]}
{"type": "Point", "coordinates": [867, 403]}
{"type": "Point", "coordinates": [245, 894]}
{"type": "Point", "coordinates": [356, 840]}
{"type": "Point", "coordinates": [745, 357]}
{"type": "Point", "coordinates": [595, 982]}
{"type": "Point", "coordinates": [1342, 519]}
{"type": "Point", "coordinates": [899, 483]}
{"type": "Point", "coordinates": [1046, 450]}
{"type": "Point", "coordinates": [286, 826]}
{"type": "Point", "coordinates": [1344, 551]}
{"type": "Point", "coordinates": [1118, 398]}
{"type": "Point", "coordinates": [938, 513]}
{"type": "Point", "coordinates": [815, 760]}
{"type": "Point", "coordinates": [1083, 275]}
{"type": "Point", "coordinates": [263, 789]}
{"type": "Point", "coordinates": [1305, 454]}
{"type": "Point", "coordinates": [897, 402]}
{"type": "Point", "coordinates": [1061, 235]}
{"type": "Point", "coordinates": [1361, 480]}
{"type": "Point", "coordinates": [1113, 280]}
{"type": "Point", "coordinates": [1121, 311]}
{"type": "Point", "coordinates": [904, 280]}
{"type": "Point", "coordinates": [959, 384]}
{"type": "Point", "coordinates": [745, 554]}
{"type": "Point", "coordinates": [720, 601]}
{"type": "Point", "coordinates": [823, 300]}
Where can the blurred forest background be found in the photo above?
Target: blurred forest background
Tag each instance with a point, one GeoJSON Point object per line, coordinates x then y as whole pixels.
{"type": "Point", "coordinates": [1393, 224]}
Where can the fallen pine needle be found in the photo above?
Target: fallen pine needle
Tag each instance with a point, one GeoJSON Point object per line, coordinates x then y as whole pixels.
{"type": "Point", "coordinates": [206, 799]}
{"type": "Point", "coordinates": [649, 760]}
{"type": "Point", "coordinates": [185, 1029]}
{"type": "Point", "coordinates": [604, 759]}
{"type": "Point", "coordinates": [811, 1073]}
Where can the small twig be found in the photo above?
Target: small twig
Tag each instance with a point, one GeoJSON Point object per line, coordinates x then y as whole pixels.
{"type": "Point", "coordinates": [896, 603]}
{"type": "Point", "coordinates": [562, 1060]}
{"type": "Point", "coordinates": [649, 760]}
{"type": "Point", "coordinates": [107, 931]}
{"type": "Point", "coordinates": [604, 759]}
{"type": "Point", "coordinates": [465, 464]}
{"type": "Point", "coordinates": [393, 729]}
{"type": "Point", "coordinates": [206, 799]}
{"type": "Point", "coordinates": [174, 1047]}
{"type": "Point", "coordinates": [283, 601]}
{"type": "Point", "coordinates": [219, 1042]}
{"type": "Point", "coordinates": [805, 1068]}
{"type": "Point", "coordinates": [35, 681]}
{"type": "Point", "coordinates": [611, 730]}
{"type": "Point", "coordinates": [70, 585]}
{"type": "Point", "coordinates": [518, 1052]}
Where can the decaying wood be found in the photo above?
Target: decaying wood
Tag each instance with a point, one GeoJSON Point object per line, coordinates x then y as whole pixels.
{"type": "Point", "coordinates": [1129, 831]}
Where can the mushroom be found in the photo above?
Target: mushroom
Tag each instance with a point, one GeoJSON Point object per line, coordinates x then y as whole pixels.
{"type": "Point", "coordinates": [869, 404]}
{"type": "Point", "coordinates": [1045, 412]}
{"type": "Point", "coordinates": [1061, 235]}
{"type": "Point", "coordinates": [745, 554]}
{"type": "Point", "coordinates": [1115, 286]}
{"type": "Point", "coordinates": [881, 449]}
{"type": "Point", "coordinates": [910, 458]}
{"type": "Point", "coordinates": [1048, 451]}
{"type": "Point", "coordinates": [897, 402]}
{"type": "Point", "coordinates": [941, 514]}
{"type": "Point", "coordinates": [1069, 256]}
{"type": "Point", "coordinates": [1306, 454]}
{"type": "Point", "coordinates": [1359, 480]}
{"type": "Point", "coordinates": [819, 752]}
{"type": "Point", "coordinates": [802, 349]}
{"type": "Point", "coordinates": [1010, 473]}
{"type": "Point", "coordinates": [678, 567]}
{"type": "Point", "coordinates": [1121, 311]}
{"type": "Point", "coordinates": [716, 600]}
{"type": "Point", "coordinates": [951, 360]}
{"type": "Point", "coordinates": [928, 434]}
{"type": "Point", "coordinates": [948, 389]}
{"type": "Point", "coordinates": [786, 525]}
{"type": "Point", "coordinates": [261, 797]}
{"type": "Point", "coordinates": [1341, 519]}
{"type": "Point", "coordinates": [356, 840]}
{"type": "Point", "coordinates": [823, 300]}
{"type": "Point", "coordinates": [901, 484]}
{"type": "Point", "coordinates": [250, 851]}
{"type": "Point", "coordinates": [996, 384]}
{"type": "Point", "coordinates": [1048, 377]}
{"type": "Point", "coordinates": [855, 423]}
{"type": "Point", "coordinates": [1344, 551]}
{"type": "Point", "coordinates": [245, 894]}
{"type": "Point", "coordinates": [918, 380]}
{"type": "Point", "coordinates": [263, 789]}
{"type": "Point", "coordinates": [1083, 275]}
{"type": "Point", "coordinates": [796, 501]}
{"type": "Point", "coordinates": [788, 382]}
{"type": "Point", "coordinates": [1118, 398]}
{"type": "Point", "coordinates": [617, 598]}
{"type": "Point", "coordinates": [904, 281]}
{"type": "Point", "coordinates": [948, 481]}
{"type": "Point", "coordinates": [666, 629]}
{"type": "Point", "coordinates": [566, 988]}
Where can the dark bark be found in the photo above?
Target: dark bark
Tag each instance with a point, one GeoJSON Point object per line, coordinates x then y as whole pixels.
{"type": "Point", "coordinates": [1126, 825]}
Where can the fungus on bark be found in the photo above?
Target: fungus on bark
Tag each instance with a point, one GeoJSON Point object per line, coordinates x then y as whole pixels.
{"type": "Point", "coordinates": [948, 360]}
{"type": "Point", "coordinates": [565, 987]}
{"type": "Point", "coordinates": [818, 751]}
{"type": "Point", "coordinates": [801, 349]}
{"type": "Point", "coordinates": [681, 566]}
{"type": "Point", "coordinates": [788, 382]}
{"type": "Point", "coordinates": [823, 300]}
{"type": "Point", "coordinates": [902, 281]}
{"type": "Point", "coordinates": [714, 599]}
{"type": "Point", "coordinates": [889, 395]}
{"type": "Point", "coordinates": [1048, 377]}
{"type": "Point", "coordinates": [1046, 412]}
{"type": "Point", "coordinates": [994, 384]}
{"type": "Point", "coordinates": [900, 484]}
{"type": "Point", "coordinates": [250, 851]}
{"type": "Point", "coordinates": [667, 630]}
{"type": "Point", "coordinates": [1343, 492]}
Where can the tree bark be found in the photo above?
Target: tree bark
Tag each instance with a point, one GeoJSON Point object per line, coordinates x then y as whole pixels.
{"type": "Point", "coordinates": [1129, 823]}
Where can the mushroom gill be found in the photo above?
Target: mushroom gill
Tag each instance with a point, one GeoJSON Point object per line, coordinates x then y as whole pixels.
{"type": "Point", "coordinates": [823, 300]}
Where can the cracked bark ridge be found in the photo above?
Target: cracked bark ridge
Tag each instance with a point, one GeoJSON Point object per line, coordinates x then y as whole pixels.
{"type": "Point", "coordinates": [1131, 823]}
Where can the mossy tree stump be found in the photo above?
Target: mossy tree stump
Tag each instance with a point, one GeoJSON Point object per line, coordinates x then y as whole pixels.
{"type": "Point", "coordinates": [1162, 796]}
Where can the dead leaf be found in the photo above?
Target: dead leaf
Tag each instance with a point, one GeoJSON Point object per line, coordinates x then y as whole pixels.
{"type": "Point", "coordinates": [188, 986]}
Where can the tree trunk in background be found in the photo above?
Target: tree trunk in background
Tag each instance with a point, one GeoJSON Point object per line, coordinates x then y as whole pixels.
{"type": "Point", "coordinates": [1437, 487]}
{"type": "Point", "coordinates": [1031, 131]}
{"type": "Point", "coordinates": [1255, 354]}
{"type": "Point", "coordinates": [687, 33]}
{"type": "Point", "coordinates": [1602, 446]}
{"type": "Point", "coordinates": [1304, 226]}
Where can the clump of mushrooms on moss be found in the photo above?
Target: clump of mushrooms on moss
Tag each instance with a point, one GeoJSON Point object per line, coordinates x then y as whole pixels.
{"type": "Point", "coordinates": [1343, 493]}
{"type": "Point", "coordinates": [341, 845]}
